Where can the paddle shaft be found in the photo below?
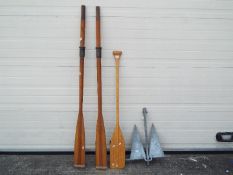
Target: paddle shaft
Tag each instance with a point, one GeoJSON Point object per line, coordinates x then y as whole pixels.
{"type": "Point", "coordinates": [117, 55]}
{"type": "Point", "coordinates": [101, 150]}
{"type": "Point", "coordinates": [117, 93]}
{"type": "Point", "coordinates": [79, 147]}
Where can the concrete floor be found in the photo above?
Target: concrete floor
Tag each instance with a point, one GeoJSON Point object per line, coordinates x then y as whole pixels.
{"type": "Point", "coordinates": [172, 164]}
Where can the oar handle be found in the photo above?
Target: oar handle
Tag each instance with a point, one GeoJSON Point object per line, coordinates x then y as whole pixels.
{"type": "Point", "coordinates": [98, 36]}
{"type": "Point", "coordinates": [117, 56]}
{"type": "Point", "coordinates": [82, 26]}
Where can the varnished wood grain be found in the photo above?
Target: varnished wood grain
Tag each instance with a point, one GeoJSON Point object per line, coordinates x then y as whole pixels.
{"type": "Point", "coordinates": [117, 144]}
{"type": "Point", "coordinates": [100, 143]}
{"type": "Point", "coordinates": [79, 145]}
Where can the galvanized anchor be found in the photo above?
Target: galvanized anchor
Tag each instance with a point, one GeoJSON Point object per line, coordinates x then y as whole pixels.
{"type": "Point", "coordinates": [152, 148]}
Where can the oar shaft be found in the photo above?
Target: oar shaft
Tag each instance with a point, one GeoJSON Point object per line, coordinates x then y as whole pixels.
{"type": "Point", "coordinates": [81, 81]}
{"type": "Point", "coordinates": [99, 86]}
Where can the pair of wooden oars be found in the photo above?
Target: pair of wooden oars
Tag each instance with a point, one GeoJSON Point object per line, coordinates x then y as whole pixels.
{"type": "Point", "coordinates": [79, 146]}
{"type": "Point", "coordinates": [117, 146]}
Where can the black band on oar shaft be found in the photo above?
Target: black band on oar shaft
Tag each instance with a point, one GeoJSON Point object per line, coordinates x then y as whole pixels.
{"type": "Point", "coordinates": [98, 52]}
{"type": "Point", "coordinates": [82, 52]}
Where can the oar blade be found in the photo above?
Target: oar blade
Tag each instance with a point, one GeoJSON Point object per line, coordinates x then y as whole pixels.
{"type": "Point", "coordinates": [100, 145]}
{"type": "Point", "coordinates": [79, 145]}
{"type": "Point", "coordinates": [117, 150]}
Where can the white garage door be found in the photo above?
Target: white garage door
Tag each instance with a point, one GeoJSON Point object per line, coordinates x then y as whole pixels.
{"type": "Point", "coordinates": [177, 61]}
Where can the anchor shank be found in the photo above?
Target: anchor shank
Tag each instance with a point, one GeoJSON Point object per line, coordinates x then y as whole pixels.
{"type": "Point", "coordinates": [146, 135]}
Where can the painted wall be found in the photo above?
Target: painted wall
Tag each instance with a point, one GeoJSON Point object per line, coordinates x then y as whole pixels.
{"type": "Point", "coordinates": [177, 61]}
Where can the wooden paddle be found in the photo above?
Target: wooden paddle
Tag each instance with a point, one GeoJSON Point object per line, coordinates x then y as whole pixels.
{"type": "Point", "coordinates": [79, 146]}
{"type": "Point", "coordinates": [100, 143]}
{"type": "Point", "coordinates": [117, 144]}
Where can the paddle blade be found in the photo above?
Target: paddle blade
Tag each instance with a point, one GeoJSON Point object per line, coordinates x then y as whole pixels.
{"type": "Point", "coordinates": [117, 149]}
{"type": "Point", "coordinates": [79, 145]}
{"type": "Point", "coordinates": [100, 145]}
{"type": "Point", "coordinates": [155, 148]}
{"type": "Point", "coordinates": [137, 150]}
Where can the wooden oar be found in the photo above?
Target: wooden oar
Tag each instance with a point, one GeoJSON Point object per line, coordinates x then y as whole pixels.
{"type": "Point", "coordinates": [79, 146]}
{"type": "Point", "coordinates": [117, 144]}
{"type": "Point", "coordinates": [100, 143]}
